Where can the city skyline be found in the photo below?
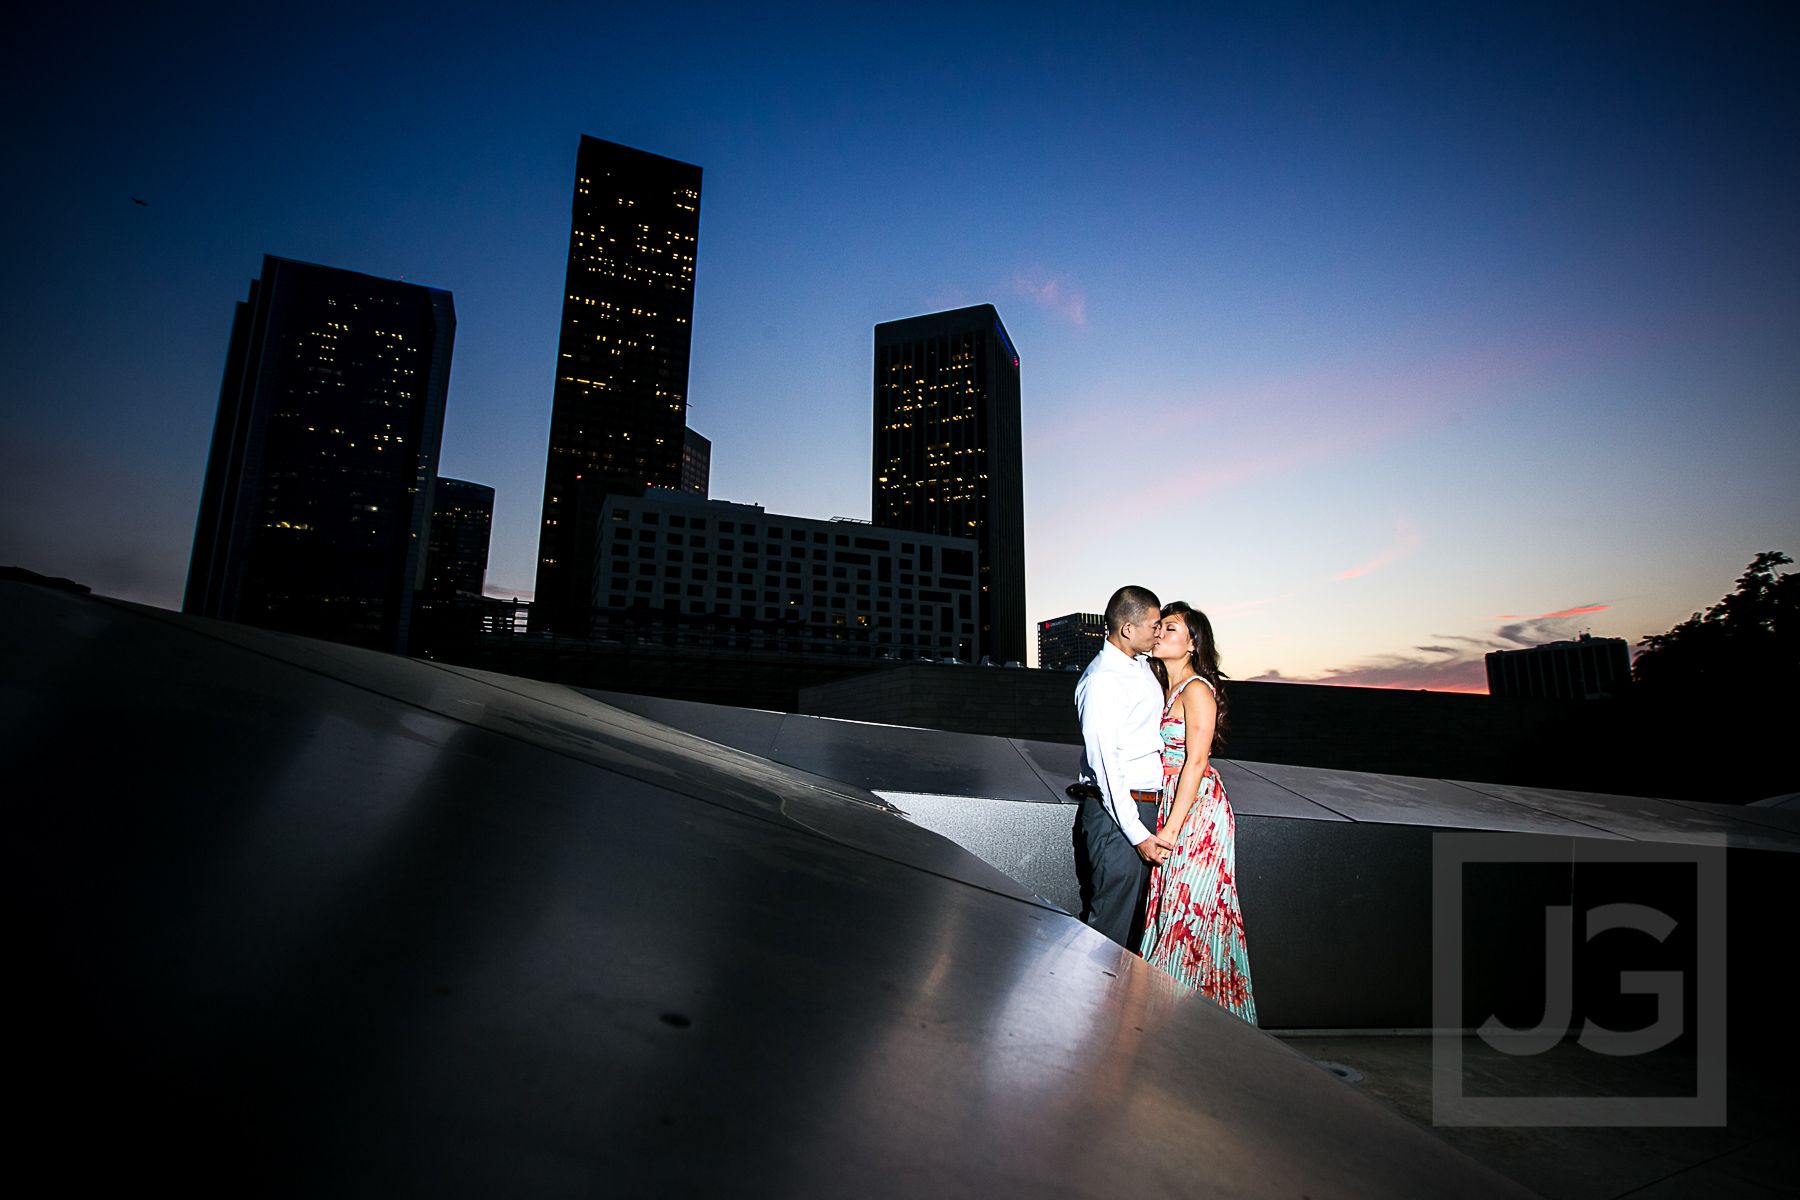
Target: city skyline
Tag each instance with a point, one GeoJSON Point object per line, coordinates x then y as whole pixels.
{"type": "Point", "coordinates": [1388, 340]}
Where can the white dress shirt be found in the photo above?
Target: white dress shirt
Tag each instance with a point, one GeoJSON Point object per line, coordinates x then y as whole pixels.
{"type": "Point", "coordinates": [1121, 707]}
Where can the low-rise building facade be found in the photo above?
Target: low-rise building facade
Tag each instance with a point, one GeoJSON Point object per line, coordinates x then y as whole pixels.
{"type": "Point", "coordinates": [1588, 668]}
{"type": "Point", "coordinates": [668, 561]}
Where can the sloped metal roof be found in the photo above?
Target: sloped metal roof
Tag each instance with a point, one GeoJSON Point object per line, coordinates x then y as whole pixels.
{"type": "Point", "coordinates": [314, 919]}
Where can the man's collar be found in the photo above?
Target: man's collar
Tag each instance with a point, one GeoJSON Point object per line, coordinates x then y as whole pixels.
{"type": "Point", "coordinates": [1125, 656]}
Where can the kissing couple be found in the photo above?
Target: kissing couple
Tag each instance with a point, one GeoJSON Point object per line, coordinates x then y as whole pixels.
{"type": "Point", "coordinates": [1159, 835]}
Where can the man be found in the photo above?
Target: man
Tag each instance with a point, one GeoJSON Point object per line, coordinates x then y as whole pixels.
{"type": "Point", "coordinates": [1121, 708]}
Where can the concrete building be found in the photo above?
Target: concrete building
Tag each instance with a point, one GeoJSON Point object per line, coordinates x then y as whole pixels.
{"type": "Point", "coordinates": [1587, 668]}
{"type": "Point", "coordinates": [316, 509]}
{"type": "Point", "coordinates": [948, 457]}
{"type": "Point", "coordinates": [619, 412]}
{"type": "Point", "coordinates": [1070, 643]}
{"type": "Point", "coordinates": [668, 561]}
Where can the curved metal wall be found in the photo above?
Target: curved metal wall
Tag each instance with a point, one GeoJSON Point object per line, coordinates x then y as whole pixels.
{"type": "Point", "coordinates": [304, 919]}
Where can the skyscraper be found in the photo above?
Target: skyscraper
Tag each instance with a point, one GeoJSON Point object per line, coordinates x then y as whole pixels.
{"type": "Point", "coordinates": [948, 458]}
{"type": "Point", "coordinates": [696, 464]}
{"type": "Point", "coordinates": [1070, 642]}
{"type": "Point", "coordinates": [317, 503]}
{"type": "Point", "coordinates": [619, 414]}
{"type": "Point", "coordinates": [450, 606]}
{"type": "Point", "coordinates": [462, 520]}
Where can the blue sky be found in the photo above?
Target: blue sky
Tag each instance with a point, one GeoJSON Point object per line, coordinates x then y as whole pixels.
{"type": "Point", "coordinates": [1381, 333]}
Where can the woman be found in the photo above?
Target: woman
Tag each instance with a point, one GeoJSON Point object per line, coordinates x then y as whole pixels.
{"type": "Point", "coordinates": [1193, 927]}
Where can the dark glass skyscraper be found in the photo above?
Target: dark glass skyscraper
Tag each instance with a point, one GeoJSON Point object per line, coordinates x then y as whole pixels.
{"type": "Point", "coordinates": [620, 408]}
{"type": "Point", "coordinates": [696, 464]}
{"type": "Point", "coordinates": [462, 520]}
{"type": "Point", "coordinates": [948, 456]}
{"type": "Point", "coordinates": [1070, 642]}
{"type": "Point", "coordinates": [450, 607]}
{"type": "Point", "coordinates": [317, 503]}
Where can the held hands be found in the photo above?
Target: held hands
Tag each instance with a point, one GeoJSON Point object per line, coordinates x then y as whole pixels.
{"type": "Point", "coordinates": [1155, 849]}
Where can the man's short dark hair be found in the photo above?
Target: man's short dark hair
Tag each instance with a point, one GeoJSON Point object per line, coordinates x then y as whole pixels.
{"type": "Point", "coordinates": [1128, 606]}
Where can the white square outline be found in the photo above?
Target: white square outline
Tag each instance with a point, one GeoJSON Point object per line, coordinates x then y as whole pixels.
{"type": "Point", "coordinates": [1449, 852]}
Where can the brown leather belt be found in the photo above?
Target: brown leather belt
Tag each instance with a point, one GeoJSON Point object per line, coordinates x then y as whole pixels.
{"type": "Point", "coordinates": [1087, 791]}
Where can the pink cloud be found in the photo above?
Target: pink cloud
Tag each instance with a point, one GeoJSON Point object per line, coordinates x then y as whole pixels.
{"type": "Point", "coordinates": [948, 296]}
{"type": "Point", "coordinates": [1455, 664]}
{"type": "Point", "coordinates": [1054, 292]}
{"type": "Point", "coordinates": [1401, 672]}
{"type": "Point", "coordinates": [1278, 425]}
{"type": "Point", "coordinates": [1567, 612]}
{"type": "Point", "coordinates": [1404, 548]}
{"type": "Point", "coordinates": [1407, 543]}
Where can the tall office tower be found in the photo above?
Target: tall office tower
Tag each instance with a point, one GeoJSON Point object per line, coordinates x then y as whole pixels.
{"type": "Point", "coordinates": [619, 414]}
{"type": "Point", "coordinates": [316, 510]}
{"type": "Point", "coordinates": [696, 464]}
{"type": "Point", "coordinates": [947, 456]}
{"type": "Point", "coordinates": [1070, 643]}
{"type": "Point", "coordinates": [450, 608]}
{"type": "Point", "coordinates": [462, 520]}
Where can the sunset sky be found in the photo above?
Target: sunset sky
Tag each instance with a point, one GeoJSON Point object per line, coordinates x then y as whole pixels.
{"type": "Point", "coordinates": [1387, 335]}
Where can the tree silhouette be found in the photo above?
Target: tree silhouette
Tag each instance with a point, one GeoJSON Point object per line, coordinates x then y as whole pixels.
{"type": "Point", "coordinates": [1711, 715]}
{"type": "Point", "coordinates": [1749, 642]}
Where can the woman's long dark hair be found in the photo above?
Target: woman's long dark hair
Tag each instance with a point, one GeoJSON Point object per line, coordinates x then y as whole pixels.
{"type": "Point", "coordinates": [1204, 658]}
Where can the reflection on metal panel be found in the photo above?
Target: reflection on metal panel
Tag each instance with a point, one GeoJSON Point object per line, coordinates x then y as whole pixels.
{"type": "Point", "coordinates": [908, 759]}
{"type": "Point", "coordinates": [897, 757]}
{"type": "Point", "coordinates": [1644, 819]}
{"type": "Point", "coordinates": [1407, 800]}
{"type": "Point", "coordinates": [1333, 866]}
{"type": "Point", "coordinates": [1033, 843]}
{"type": "Point", "coordinates": [752, 730]}
{"type": "Point", "coordinates": [322, 921]}
{"type": "Point", "coordinates": [1253, 795]}
{"type": "Point", "coordinates": [1760, 813]}
{"type": "Point", "coordinates": [1055, 765]}
{"type": "Point", "coordinates": [932, 762]}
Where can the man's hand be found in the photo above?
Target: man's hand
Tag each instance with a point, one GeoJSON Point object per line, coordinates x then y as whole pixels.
{"type": "Point", "coordinates": [1154, 849]}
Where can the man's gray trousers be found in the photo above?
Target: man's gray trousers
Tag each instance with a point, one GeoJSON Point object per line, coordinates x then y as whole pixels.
{"type": "Point", "coordinates": [1120, 878]}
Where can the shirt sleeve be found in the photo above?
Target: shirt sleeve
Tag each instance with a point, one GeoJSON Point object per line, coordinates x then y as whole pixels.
{"type": "Point", "coordinates": [1102, 703]}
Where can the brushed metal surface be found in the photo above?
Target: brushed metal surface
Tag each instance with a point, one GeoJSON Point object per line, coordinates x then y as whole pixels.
{"type": "Point", "coordinates": [308, 920]}
{"type": "Point", "coordinates": [749, 729]}
{"type": "Point", "coordinates": [1787, 820]}
{"type": "Point", "coordinates": [1410, 800]}
{"type": "Point", "coordinates": [1255, 795]}
{"type": "Point", "coordinates": [1644, 819]}
{"type": "Point", "coordinates": [1032, 843]}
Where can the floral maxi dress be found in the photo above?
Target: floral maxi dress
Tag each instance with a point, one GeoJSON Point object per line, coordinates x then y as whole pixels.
{"type": "Point", "coordinates": [1193, 927]}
